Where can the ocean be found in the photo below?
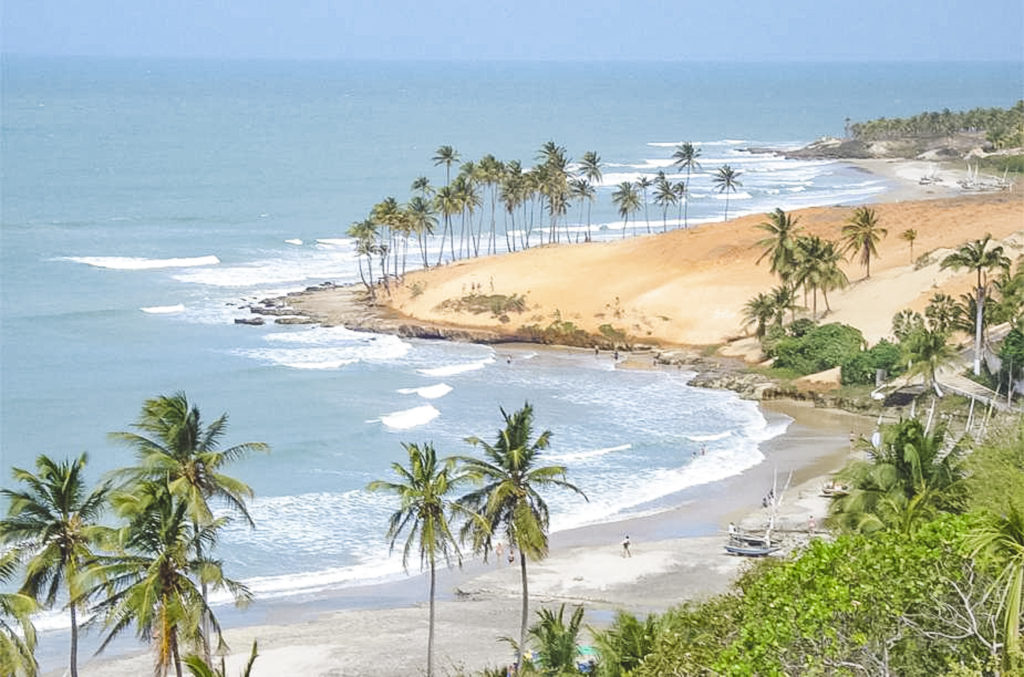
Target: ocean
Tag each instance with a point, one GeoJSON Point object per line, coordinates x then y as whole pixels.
{"type": "Point", "coordinates": [144, 202]}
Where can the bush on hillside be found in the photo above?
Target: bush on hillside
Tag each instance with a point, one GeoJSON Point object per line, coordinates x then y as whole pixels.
{"type": "Point", "coordinates": [860, 368]}
{"type": "Point", "coordinates": [822, 348]}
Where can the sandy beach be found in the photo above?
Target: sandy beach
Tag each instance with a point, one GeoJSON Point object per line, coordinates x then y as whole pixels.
{"type": "Point", "coordinates": [676, 555]}
{"type": "Point", "coordinates": [688, 288]}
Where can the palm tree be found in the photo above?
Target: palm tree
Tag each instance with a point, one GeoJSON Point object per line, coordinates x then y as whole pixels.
{"type": "Point", "coordinates": [423, 488]}
{"type": "Point", "coordinates": [150, 581]}
{"type": "Point", "coordinates": [557, 641]}
{"type": "Point", "coordinates": [784, 298]}
{"type": "Point", "coordinates": [861, 234]}
{"type": "Point", "coordinates": [643, 183]}
{"type": "Point", "coordinates": [447, 156]}
{"type": "Point", "coordinates": [182, 453]}
{"type": "Point", "coordinates": [365, 234]}
{"type": "Point", "coordinates": [17, 634]}
{"type": "Point", "coordinates": [423, 220]}
{"type": "Point", "coordinates": [780, 245]}
{"type": "Point", "coordinates": [509, 500]}
{"type": "Point", "coordinates": [52, 523]}
{"type": "Point", "coordinates": [581, 189]}
{"type": "Point", "coordinates": [590, 167]}
{"type": "Point", "coordinates": [978, 257]}
{"type": "Point", "coordinates": [682, 198]}
{"type": "Point", "coordinates": [912, 475]}
{"type": "Point", "coordinates": [908, 236]}
{"type": "Point", "coordinates": [664, 196]}
{"type": "Point", "coordinates": [447, 202]}
{"type": "Point", "coordinates": [726, 180]}
{"type": "Point", "coordinates": [928, 350]}
{"type": "Point", "coordinates": [1002, 539]}
{"type": "Point", "coordinates": [628, 201]}
{"type": "Point", "coordinates": [686, 158]}
{"type": "Point", "coordinates": [759, 311]}
{"type": "Point", "coordinates": [817, 269]}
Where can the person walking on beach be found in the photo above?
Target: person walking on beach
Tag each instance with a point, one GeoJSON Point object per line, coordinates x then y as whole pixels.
{"type": "Point", "coordinates": [810, 524]}
{"type": "Point", "coordinates": [625, 547]}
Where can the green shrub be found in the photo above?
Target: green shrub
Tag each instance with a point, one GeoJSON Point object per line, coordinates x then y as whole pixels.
{"type": "Point", "coordinates": [860, 368]}
{"type": "Point", "coordinates": [822, 348]}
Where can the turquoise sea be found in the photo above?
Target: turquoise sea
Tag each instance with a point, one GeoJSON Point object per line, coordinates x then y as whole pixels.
{"type": "Point", "coordinates": [144, 201]}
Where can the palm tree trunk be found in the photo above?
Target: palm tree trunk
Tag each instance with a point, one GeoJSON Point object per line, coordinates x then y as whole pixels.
{"type": "Point", "coordinates": [430, 631]}
{"type": "Point", "coordinates": [978, 313]}
{"type": "Point", "coordinates": [589, 204]}
{"type": "Point", "coordinates": [526, 612]}
{"type": "Point", "coordinates": [205, 623]}
{"type": "Point", "coordinates": [174, 652]}
{"type": "Point", "coordinates": [444, 231]}
{"type": "Point", "coordinates": [726, 206]}
{"type": "Point", "coordinates": [686, 204]}
{"type": "Point", "coordinates": [74, 642]}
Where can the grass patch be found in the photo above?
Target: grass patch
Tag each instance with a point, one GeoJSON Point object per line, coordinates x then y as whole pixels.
{"type": "Point", "coordinates": [498, 305]}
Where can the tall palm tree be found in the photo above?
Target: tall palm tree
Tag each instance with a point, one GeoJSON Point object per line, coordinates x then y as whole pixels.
{"type": "Point", "coordinates": [509, 499]}
{"type": "Point", "coordinates": [447, 156]}
{"type": "Point", "coordinates": [175, 448]}
{"type": "Point", "coordinates": [686, 158]}
{"type": "Point", "coordinates": [817, 268]}
{"type": "Point", "coordinates": [780, 244]}
{"type": "Point", "coordinates": [590, 169]}
{"type": "Point", "coordinates": [423, 489]}
{"type": "Point", "coordinates": [861, 235]}
{"type": "Point", "coordinates": [151, 579]}
{"type": "Point", "coordinates": [581, 189]}
{"type": "Point", "coordinates": [726, 180]}
{"type": "Point", "coordinates": [1002, 539]}
{"type": "Point", "coordinates": [643, 183]}
{"type": "Point", "coordinates": [664, 196]}
{"type": "Point", "coordinates": [17, 634]}
{"type": "Point", "coordinates": [784, 297]}
{"type": "Point", "coordinates": [365, 234]}
{"type": "Point", "coordinates": [52, 522]}
{"type": "Point", "coordinates": [423, 220]}
{"type": "Point", "coordinates": [628, 202]}
{"type": "Point", "coordinates": [682, 197]}
{"type": "Point", "coordinates": [978, 257]}
{"type": "Point", "coordinates": [908, 236]}
{"type": "Point", "coordinates": [447, 202]}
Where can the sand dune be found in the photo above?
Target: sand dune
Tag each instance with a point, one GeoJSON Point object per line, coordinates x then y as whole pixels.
{"type": "Point", "coordinates": [688, 287]}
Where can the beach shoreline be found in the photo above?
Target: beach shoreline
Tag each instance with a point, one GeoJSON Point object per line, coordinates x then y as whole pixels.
{"type": "Point", "coordinates": [677, 556]}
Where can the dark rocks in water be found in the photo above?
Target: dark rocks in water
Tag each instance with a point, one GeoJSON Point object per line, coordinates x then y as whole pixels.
{"type": "Point", "coordinates": [254, 321]}
{"type": "Point", "coordinates": [276, 311]}
{"type": "Point", "coordinates": [295, 320]}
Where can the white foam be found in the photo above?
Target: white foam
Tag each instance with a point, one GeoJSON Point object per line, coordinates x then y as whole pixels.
{"type": "Point", "coordinates": [739, 195]}
{"type": "Point", "coordinates": [453, 369]}
{"type": "Point", "coordinates": [139, 263]}
{"type": "Point", "coordinates": [576, 456]}
{"type": "Point", "coordinates": [410, 418]}
{"type": "Point", "coordinates": [163, 310]}
{"type": "Point", "coordinates": [428, 392]}
{"type": "Point", "coordinates": [327, 348]}
{"type": "Point", "coordinates": [709, 438]}
{"type": "Point", "coordinates": [294, 240]}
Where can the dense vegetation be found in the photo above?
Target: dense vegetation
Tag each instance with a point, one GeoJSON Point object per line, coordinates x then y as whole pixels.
{"type": "Point", "coordinates": [931, 586]}
{"type": "Point", "coordinates": [1004, 128]}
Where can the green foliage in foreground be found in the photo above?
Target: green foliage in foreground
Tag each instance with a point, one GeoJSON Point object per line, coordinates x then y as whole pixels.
{"type": "Point", "coordinates": [822, 348]}
{"type": "Point", "coordinates": [859, 605]}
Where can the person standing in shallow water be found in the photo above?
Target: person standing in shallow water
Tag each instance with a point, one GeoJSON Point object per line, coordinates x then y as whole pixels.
{"type": "Point", "coordinates": [625, 547]}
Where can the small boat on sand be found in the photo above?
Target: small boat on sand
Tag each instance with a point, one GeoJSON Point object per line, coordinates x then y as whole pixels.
{"type": "Point", "coordinates": [751, 550]}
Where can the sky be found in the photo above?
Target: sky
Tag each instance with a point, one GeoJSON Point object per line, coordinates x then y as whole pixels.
{"type": "Point", "coordinates": [536, 30]}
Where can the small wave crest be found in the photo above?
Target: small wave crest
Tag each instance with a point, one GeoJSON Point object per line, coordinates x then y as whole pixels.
{"type": "Point", "coordinates": [163, 310]}
{"type": "Point", "coordinates": [589, 454]}
{"type": "Point", "coordinates": [428, 392]}
{"type": "Point", "coordinates": [453, 369]}
{"type": "Point", "coordinates": [410, 418]}
{"type": "Point", "coordinates": [139, 263]}
{"type": "Point", "coordinates": [709, 438]}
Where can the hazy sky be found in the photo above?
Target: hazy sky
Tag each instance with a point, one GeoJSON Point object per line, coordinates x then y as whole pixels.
{"type": "Point", "coordinates": [521, 29]}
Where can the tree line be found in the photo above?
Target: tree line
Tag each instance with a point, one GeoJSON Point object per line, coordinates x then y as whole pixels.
{"type": "Point", "coordinates": [1003, 127]}
{"type": "Point", "coordinates": [534, 204]}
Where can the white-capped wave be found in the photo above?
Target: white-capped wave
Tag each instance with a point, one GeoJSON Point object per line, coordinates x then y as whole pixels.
{"type": "Point", "coordinates": [577, 456]}
{"type": "Point", "coordinates": [428, 392]}
{"type": "Point", "coordinates": [139, 263]}
{"type": "Point", "coordinates": [453, 369]}
{"type": "Point", "coordinates": [709, 438]}
{"type": "Point", "coordinates": [327, 348]}
{"type": "Point", "coordinates": [410, 418]}
{"type": "Point", "coordinates": [739, 195]}
{"type": "Point", "coordinates": [163, 310]}
{"type": "Point", "coordinates": [294, 240]}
